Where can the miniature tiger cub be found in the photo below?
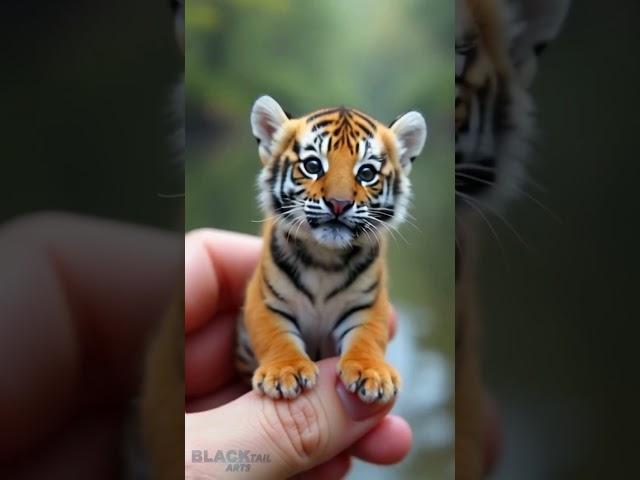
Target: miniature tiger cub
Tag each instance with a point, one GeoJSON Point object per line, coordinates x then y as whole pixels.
{"type": "Point", "coordinates": [332, 183]}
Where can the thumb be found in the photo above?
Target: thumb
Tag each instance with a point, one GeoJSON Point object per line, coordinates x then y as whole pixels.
{"type": "Point", "coordinates": [260, 438]}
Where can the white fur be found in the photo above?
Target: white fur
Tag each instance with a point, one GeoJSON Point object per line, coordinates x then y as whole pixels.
{"type": "Point", "coordinates": [411, 134]}
{"type": "Point", "coordinates": [267, 118]}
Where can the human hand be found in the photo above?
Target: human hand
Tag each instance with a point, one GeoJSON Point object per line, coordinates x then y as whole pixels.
{"type": "Point", "coordinates": [315, 435]}
{"type": "Point", "coordinates": [79, 298]}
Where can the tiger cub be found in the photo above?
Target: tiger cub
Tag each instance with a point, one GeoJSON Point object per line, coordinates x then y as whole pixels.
{"type": "Point", "coordinates": [332, 182]}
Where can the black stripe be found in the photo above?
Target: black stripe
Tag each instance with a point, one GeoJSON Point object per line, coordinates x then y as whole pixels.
{"type": "Point", "coordinates": [350, 254]}
{"type": "Point", "coordinates": [356, 272]}
{"type": "Point", "coordinates": [275, 173]}
{"type": "Point", "coordinates": [321, 124]}
{"type": "Point", "coordinates": [396, 183]}
{"type": "Point", "coordinates": [366, 119]}
{"type": "Point", "coordinates": [371, 288]}
{"type": "Point", "coordinates": [286, 268]}
{"type": "Point", "coordinates": [350, 148]}
{"type": "Point", "coordinates": [322, 113]}
{"type": "Point", "coordinates": [306, 258]}
{"type": "Point", "coordinates": [286, 315]}
{"type": "Point", "coordinates": [385, 214]}
{"type": "Point", "coordinates": [344, 334]}
{"type": "Point", "coordinates": [245, 349]}
{"type": "Point", "coordinates": [273, 291]}
{"type": "Point", "coordinates": [364, 128]}
{"type": "Point", "coordinates": [350, 312]}
{"type": "Point", "coordinates": [285, 171]}
{"type": "Point", "coordinates": [472, 181]}
{"type": "Point", "coordinates": [483, 99]}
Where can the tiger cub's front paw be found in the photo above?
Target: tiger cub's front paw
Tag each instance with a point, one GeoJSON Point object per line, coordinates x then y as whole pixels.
{"type": "Point", "coordinates": [285, 379]}
{"type": "Point", "coordinates": [373, 379]}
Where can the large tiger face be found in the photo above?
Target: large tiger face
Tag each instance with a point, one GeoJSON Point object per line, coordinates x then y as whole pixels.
{"type": "Point", "coordinates": [497, 45]}
{"type": "Point", "coordinates": [336, 175]}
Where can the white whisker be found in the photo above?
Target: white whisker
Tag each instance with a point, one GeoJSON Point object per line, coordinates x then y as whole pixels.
{"type": "Point", "coordinates": [483, 168]}
{"type": "Point", "coordinates": [472, 204]}
{"type": "Point", "coordinates": [518, 189]}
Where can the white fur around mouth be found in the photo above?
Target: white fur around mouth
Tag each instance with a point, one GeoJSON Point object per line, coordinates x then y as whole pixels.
{"type": "Point", "coordinates": [332, 235]}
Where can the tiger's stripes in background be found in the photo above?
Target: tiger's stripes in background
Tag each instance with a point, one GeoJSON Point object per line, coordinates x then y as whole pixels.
{"type": "Point", "coordinates": [497, 48]}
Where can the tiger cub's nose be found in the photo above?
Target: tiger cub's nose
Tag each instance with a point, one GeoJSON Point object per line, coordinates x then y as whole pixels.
{"type": "Point", "coordinates": [338, 206]}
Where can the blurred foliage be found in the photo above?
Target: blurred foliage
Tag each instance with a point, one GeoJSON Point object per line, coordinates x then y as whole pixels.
{"type": "Point", "coordinates": [381, 57]}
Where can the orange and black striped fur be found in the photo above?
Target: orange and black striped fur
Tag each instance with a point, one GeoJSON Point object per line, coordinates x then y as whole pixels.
{"type": "Point", "coordinates": [332, 183]}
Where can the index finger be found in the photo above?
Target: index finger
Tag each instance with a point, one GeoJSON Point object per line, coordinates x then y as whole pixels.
{"type": "Point", "coordinates": [218, 265]}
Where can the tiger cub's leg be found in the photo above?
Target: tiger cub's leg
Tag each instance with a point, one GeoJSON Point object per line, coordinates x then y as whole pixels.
{"type": "Point", "coordinates": [284, 370]}
{"type": "Point", "coordinates": [363, 341]}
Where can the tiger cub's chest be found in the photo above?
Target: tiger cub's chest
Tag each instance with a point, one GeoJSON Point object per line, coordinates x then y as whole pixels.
{"type": "Point", "coordinates": [332, 298]}
{"type": "Point", "coordinates": [320, 287]}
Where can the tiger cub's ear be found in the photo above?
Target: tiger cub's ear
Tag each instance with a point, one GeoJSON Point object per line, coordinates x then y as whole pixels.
{"type": "Point", "coordinates": [266, 119]}
{"type": "Point", "coordinates": [534, 24]}
{"type": "Point", "coordinates": [410, 130]}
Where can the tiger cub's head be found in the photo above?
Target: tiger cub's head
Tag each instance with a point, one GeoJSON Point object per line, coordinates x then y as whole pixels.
{"type": "Point", "coordinates": [336, 176]}
{"type": "Point", "coordinates": [497, 47]}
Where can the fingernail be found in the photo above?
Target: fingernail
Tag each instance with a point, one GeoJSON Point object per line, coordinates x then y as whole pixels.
{"type": "Point", "coordinates": [356, 408]}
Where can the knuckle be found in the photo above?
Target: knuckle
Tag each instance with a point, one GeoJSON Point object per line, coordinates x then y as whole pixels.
{"type": "Point", "coordinates": [199, 234]}
{"type": "Point", "coordinates": [295, 429]}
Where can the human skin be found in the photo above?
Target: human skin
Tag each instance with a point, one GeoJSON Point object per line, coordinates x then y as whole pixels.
{"type": "Point", "coordinates": [224, 414]}
{"type": "Point", "coordinates": [54, 261]}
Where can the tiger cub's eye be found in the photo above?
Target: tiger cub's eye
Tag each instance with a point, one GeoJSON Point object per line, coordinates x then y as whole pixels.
{"type": "Point", "coordinates": [366, 173]}
{"type": "Point", "coordinates": [312, 166]}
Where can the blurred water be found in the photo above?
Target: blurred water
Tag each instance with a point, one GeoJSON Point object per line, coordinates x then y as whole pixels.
{"type": "Point", "coordinates": [424, 402]}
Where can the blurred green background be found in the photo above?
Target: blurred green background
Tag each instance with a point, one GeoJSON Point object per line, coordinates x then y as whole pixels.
{"type": "Point", "coordinates": [381, 57]}
{"type": "Point", "coordinates": [94, 141]}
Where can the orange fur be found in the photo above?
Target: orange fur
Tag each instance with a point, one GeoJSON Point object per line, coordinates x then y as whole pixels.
{"type": "Point", "coordinates": [281, 360]}
{"type": "Point", "coordinates": [364, 360]}
{"type": "Point", "coordinates": [357, 322]}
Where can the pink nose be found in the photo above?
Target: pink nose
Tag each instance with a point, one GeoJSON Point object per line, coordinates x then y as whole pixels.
{"type": "Point", "coordinates": [338, 206]}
